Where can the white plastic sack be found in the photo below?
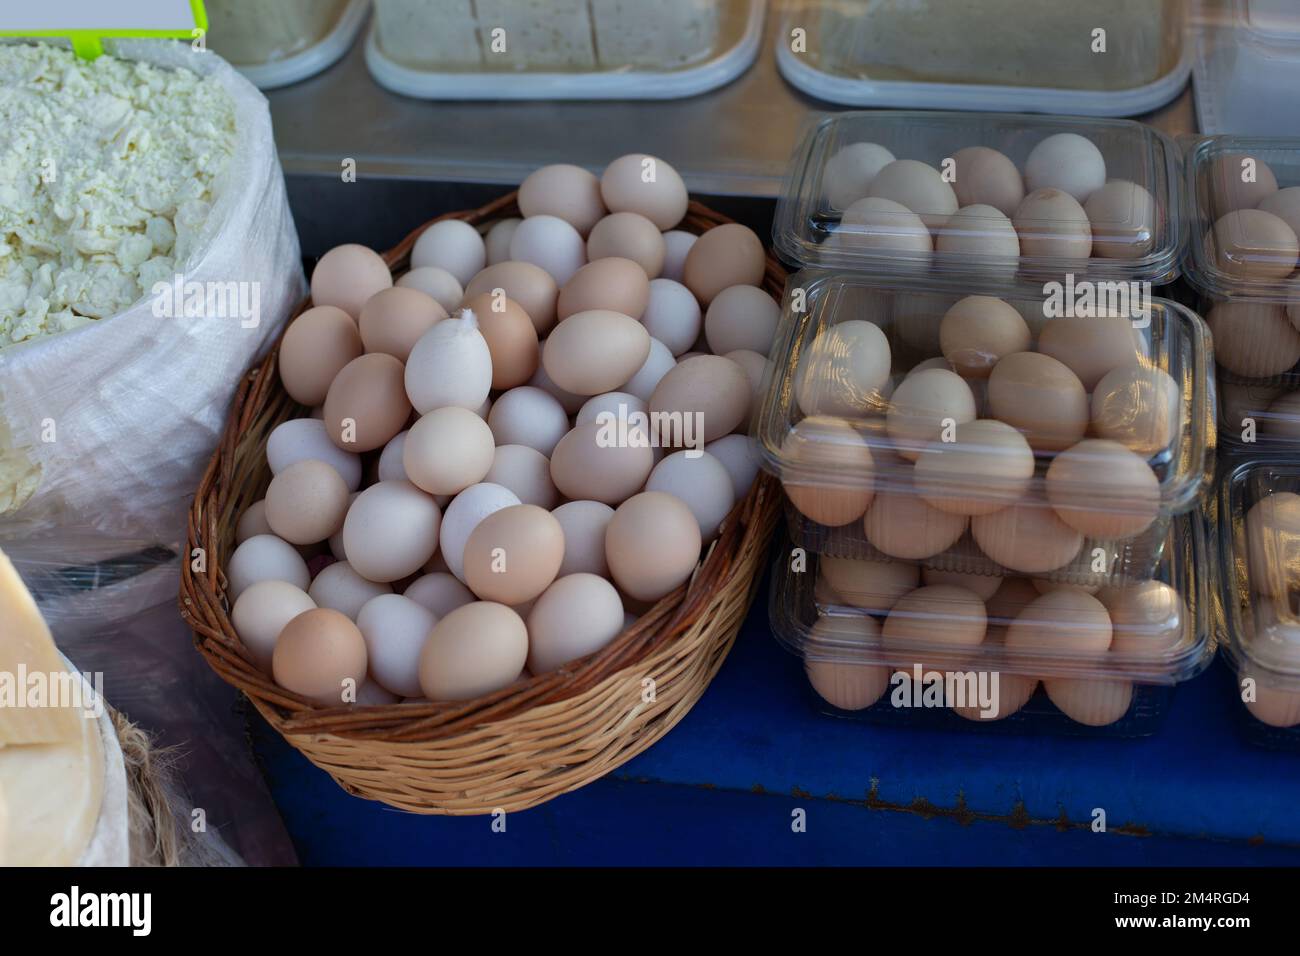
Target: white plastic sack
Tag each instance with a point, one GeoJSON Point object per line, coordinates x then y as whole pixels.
{"type": "Point", "coordinates": [135, 403]}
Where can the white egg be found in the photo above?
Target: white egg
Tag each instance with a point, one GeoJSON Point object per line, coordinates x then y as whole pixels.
{"type": "Point", "coordinates": [452, 245]}
{"type": "Point", "coordinates": [435, 282]}
{"type": "Point", "coordinates": [742, 317]}
{"type": "Point", "coordinates": [395, 629]}
{"type": "Point", "coordinates": [1068, 162]}
{"type": "Point", "coordinates": [261, 612]}
{"type": "Point", "coordinates": [439, 592]}
{"type": "Point", "coordinates": [676, 246]}
{"type": "Point", "coordinates": [370, 694]}
{"type": "Point", "coordinates": [303, 439]}
{"type": "Point", "coordinates": [619, 404]}
{"type": "Point", "coordinates": [849, 172]}
{"type": "Point", "coordinates": [336, 539]}
{"type": "Point", "coordinates": [464, 513]}
{"type": "Point", "coordinates": [340, 587]}
{"type": "Point", "coordinates": [657, 364]}
{"type": "Point", "coordinates": [584, 524]}
{"type": "Point", "coordinates": [528, 416]}
{"type": "Point", "coordinates": [739, 455]}
{"type": "Point", "coordinates": [552, 244]}
{"type": "Point", "coordinates": [498, 240]}
{"type": "Point", "coordinates": [701, 482]}
{"type": "Point", "coordinates": [672, 315]}
{"type": "Point", "coordinates": [576, 616]}
{"type": "Point", "coordinates": [450, 365]}
{"type": "Point", "coordinates": [264, 557]}
{"type": "Point", "coordinates": [526, 472]}
{"type": "Point", "coordinates": [391, 530]}
{"type": "Point", "coordinates": [390, 466]}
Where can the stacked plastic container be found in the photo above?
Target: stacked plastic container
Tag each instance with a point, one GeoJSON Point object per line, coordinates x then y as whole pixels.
{"type": "Point", "coordinates": [993, 439]}
{"type": "Point", "coordinates": [279, 42]}
{"type": "Point", "coordinates": [1243, 253]}
{"type": "Point", "coordinates": [1247, 67]}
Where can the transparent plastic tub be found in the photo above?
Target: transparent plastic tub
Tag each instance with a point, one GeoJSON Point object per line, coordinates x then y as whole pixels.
{"type": "Point", "coordinates": [983, 197]}
{"type": "Point", "coordinates": [1259, 416]}
{"type": "Point", "coordinates": [561, 49]}
{"type": "Point", "coordinates": [895, 643]}
{"type": "Point", "coordinates": [1247, 67]}
{"type": "Point", "coordinates": [278, 42]}
{"type": "Point", "coordinates": [1021, 55]}
{"type": "Point", "coordinates": [972, 434]}
{"type": "Point", "coordinates": [1259, 551]}
{"type": "Point", "coordinates": [1243, 216]}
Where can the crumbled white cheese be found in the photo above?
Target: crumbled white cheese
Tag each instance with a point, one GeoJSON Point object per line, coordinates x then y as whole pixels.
{"type": "Point", "coordinates": [107, 170]}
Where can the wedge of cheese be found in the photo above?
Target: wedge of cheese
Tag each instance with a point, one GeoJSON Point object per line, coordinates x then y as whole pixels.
{"type": "Point", "coordinates": [26, 651]}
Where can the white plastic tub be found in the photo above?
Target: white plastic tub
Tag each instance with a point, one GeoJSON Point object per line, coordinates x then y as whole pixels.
{"type": "Point", "coordinates": [1248, 67]}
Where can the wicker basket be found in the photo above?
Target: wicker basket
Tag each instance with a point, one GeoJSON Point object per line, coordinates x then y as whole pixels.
{"type": "Point", "coordinates": [520, 746]}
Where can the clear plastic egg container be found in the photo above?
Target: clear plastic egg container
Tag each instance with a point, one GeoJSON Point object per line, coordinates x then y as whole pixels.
{"type": "Point", "coordinates": [1243, 217]}
{"type": "Point", "coordinates": [1259, 552]}
{"type": "Point", "coordinates": [1259, 415]}
{"type": "Point", "coordinates": [899, 644]}
{"type": "Point", "coordinates": [984, 197]}
{"type": "Point", "coordinates": [913, 422]}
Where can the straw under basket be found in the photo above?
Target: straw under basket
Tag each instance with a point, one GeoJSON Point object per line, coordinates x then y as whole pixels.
{"type": "Point", "coordinates": [522, 745]}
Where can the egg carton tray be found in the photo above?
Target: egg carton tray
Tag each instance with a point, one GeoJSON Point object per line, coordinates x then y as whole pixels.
{"type": "Point", "coordinates": [1134, 559]}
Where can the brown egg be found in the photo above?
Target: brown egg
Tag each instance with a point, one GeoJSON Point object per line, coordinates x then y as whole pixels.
{"type": "Point", "coordinates": [476, 649]}
{"type": "Point", "coordinates": [511, 338]}
{"type": "Point", "coordinates": [514, 554]}
{"type": "Point", "coordinates": [1138, 406]}
{"type": "Point", "coordinates": [983, 586]}
{"type": "Point", "coordinates": [985, 176]}
{"type": "Point", "coordinates": [347, 276]}
{"type": "Point", "coordinates": [589, 463]}
{"type": "Point", "coordinates": [315, 348]}
{"type": "Point", "coordinates": [1095, 703]}
{"type": "Point", "coordinates": [814, 454]}
{"type": "Point", "coordinates": [1027, 536]}
{"type": "Point", "coordinates": [526, 472]}
{"type": "Point", "coordinates": [1103, 490]}
{"type": "Point", "coordinates": [1061, 621]}
{"type": "Point", "coordinates": [1041, 397]}
{"type": "Point", "coordinates": [986, 467]}
{"type": "Point", "coordinates": [316, 653]}
{"type": "Point", "coordinates": [626, 235]}
{"type": "Point", "coordinates": [872, 585]}
{"type": "Point", "coordinates": [1149, 619]}
{"type": "Point", "coordinates": [1092, 347]}
{"type": "Point", "coordinates": [1253, 339]}
{"type": "Point", "coordinates": [1123, 219]}
{"type": "Point", "coordinates": [711, 390]}
{"type": "Point", "coordinates": [367, 405]}
{"type": "Point", "coordinates": [1052, 225]}
{"type": "Point", "coordinates": [612, 284]}
{"type": "Point", "coordinates": [1013, 692]}
{"type": "Point", "coordinates": [567, 192]}
{"type": "Point", "coordinates": [978, 331]}
{"type": "Point", "coordinates": [522, 282]}
{"type": "Point", "coordinates": [1254, 244]}
{"type": "Point", "coordinates": [1273, 544]}
{"type": "Point", "coordinates": [845, 371]}
{"type": "Point", "coordinates": [902, 525]}
{"type": "Point", "coordinates": [925, 406]}
{"type": "Point", "coordinates": [938, 614]}
{"type": "Point", "coordinates": [726, 255]}
{"type": "Point", "coordinates": [645, 185]}
{"type": "Point", "coordinates": [447, 450]}
{"type": "Point", "coordinates": [590, 353]}
{"type": "Point", "coordinates": [1012, 596]}
{"type": "Point", "coordinates": [306, 502]}
{"type": "Point", "coordinates": [836, 658]}
{"type": "Point", "coordinates": [393, 320]}
{"type": "Point", "coordinates": [652, 545]}
{"type": "Point", "coordinates": [1238, 181]}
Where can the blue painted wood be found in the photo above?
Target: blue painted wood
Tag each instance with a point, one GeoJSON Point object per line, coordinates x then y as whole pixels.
{"type": "Point", "coordinates": [722, 786]}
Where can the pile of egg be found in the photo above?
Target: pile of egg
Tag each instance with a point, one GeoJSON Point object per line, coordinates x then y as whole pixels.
{"type": "Point", "coordinates": [954, 443]}
{"type": "Point", "coordinates": [462, 506]}
{"type": "Point", "coordinates": [1061, 206]}
{"type": "Point", "coordinates": [953, 614]}
{"type": "Point", "coordinates": [1272, 531]}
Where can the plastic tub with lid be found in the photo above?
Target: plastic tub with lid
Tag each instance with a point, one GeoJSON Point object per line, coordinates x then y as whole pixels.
{"type": "Point", "coordinates": [972, 433]}
{"type": "Point", "coordinates": [894, 643]}
{"type": "Point", "coordinates": [1247, 67]}
{"type": "Point", "coordinates": [983, 197]}
{"type": "Point", "coordinates": [1259, 551]}
{"type": "Point", "coordinates": [278, 42]}
{"type": "Point", "coordinates": [1101, 58]}
{"type": "Point", "coordinates": [561, 49]}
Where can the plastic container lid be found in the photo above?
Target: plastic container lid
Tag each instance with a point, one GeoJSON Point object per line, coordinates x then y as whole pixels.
{"type": "Point", "coordinates": [919, 414]}
{"type": "Point", "coordinates": [983, 198]}
{"type": "Point", "coordinates": [1271, 21]}
{"type": "Point", "coordinates": [892, 614]}
{"type": "Point", "coordinates": [1243, 216]}
{"type": "Point", "coordinates": [1259, 542]}
{"type": "Point", "coordinates": [569, 49]}
{"type": "Point", "coordinates": [1019, 55]}
{"type": "Point", "coordinates": [282, 42]}
{"type": "Point", "coordinates": [1262, 416]}
{"type": "Point", "coordinates": [1247, 67]}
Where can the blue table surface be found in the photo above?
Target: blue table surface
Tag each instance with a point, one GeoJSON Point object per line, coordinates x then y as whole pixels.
{"type": "Point", "coordinates": [724, 786]}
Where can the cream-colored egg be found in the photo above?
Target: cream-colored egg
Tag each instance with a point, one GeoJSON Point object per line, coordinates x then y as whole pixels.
{"type": "Point", "coordinates": [568, 192]}
{"type": "Point", "coordinates": [392, 320]}
{"type": "Point", "coordinates": [1041, 397]}
{"type": "Point", "coordinates": [529, 285]}
{"type": "Point", "coordinates": [264, 557]}
{"type": "Point", "coordinates": [584, 524]}
{"type": "Point", "coordinates": [597, 351]}
{"type": "Point", "coordinates": [316, 347]}
{"type": "Point", "coordinates": [979, 331]}
{"type": "Point", "coordinates": [874, 586]}
{"type": "Point", "coordinates": [305, 439]}
{"type": "Point", "coordinates": [340, 588]}
{"type": "Point", "coordinates": [926, 407]}
{"type": "Point", "coordinates": [348, 275]}
{"type": "Point", "coordinates": [439, 284]}
{"type": "Point", "coordinates": [936, 615]}
{"type": "Point", "coordinates": [1149, 619]}
{"type": "Point", "coordinates": [983, 176]}
{"type": "Point", "coordinates": [817, 452]}
{"type": "Point", "coordinates": [699, 480]}
{"type": "Point", "coordinates": [1253, 339]}
{"type": "Point", "coordinates": [1138, 406]}
{"type": "Point", "coordinates": [451, 244]}
{"type": "Point", "coordinates": [1273, 544]}
{"type": "Point", "coordinates": [450, 365]}
{"type": "Point", "coordinates": [260, 614]}
{"type": "Point", "coordinates": [879, 224]}
{"type": "Point", "coordinates": [848, 174]}
{"type": "Point", "coordinates": [367, 403]}
{"type": "Point", "coordinates": [462, 516]}
{"type": "Point", "coordinates": [320, 655]}
{"type": "Point", "coordinates": [902, 525]}
{"type": "Point", "coordinates": [742, 317]}
{"type": "Point", "coordinates": [306, 502]}
{"type": "Point", "coordinates": [395, 628]}
{"type": "Point", "coordinates": [252, 522]}
{"type": "Point", "coordinates": [1068, 162]}
{"type": "Point", "coordinates": [645, 185]}
{"type": "Point", "coordinates": [448, 450]}
{"type": "Point", "coordinates": [576, 616]}
{"type": "Point", "coordinates": [1123, 219]}
{"type": "Point", "coordinates": [1253, 244]}
{"type": "Point", "coordinates": [1092, 347]}
{"type": "Point", "coordinates": [709, 392]}
{"type": "Point", "coordinates": [835, 659]}
{"type": "Point", "coordinates": [725, 256]}
{"type": "Point", "coordinates": [568, 400]}
{"type": "Point", "coordinates": [844, 371]}
{"type": "Point", "coordinates": [652, 545]}
{"type": "Point", "coordinates": [983, 237]}
{"type": "Point", "coordinates": [627, 235]}
{"type": "Point", "coordinates": [391, 530]}
{"type": "Point", "coordinates": [591, 463]}
{"type": "Point", "coordinates": [439, 592]}
{"type": "Point", "coordinates": [475, 650]}
{"type": "Point", "coordinates": [1052, 225]}
{"type": "Point", "coordinates": [1271, 705]}
{"type": "Point", "coordinates": [1061, 622]}
{"type": "Point", "coordinates": [1285, 204]}
{"type": "Point", "coordinates": [1095, 703]}
{"type": "Point", "coordinates": [552, 244]}
{"type": "Point", "coordinates": [1239, 181]}
{"type": "Point", "coordinates": [526, 472]}
{"type": "Point", "coordinates": [528, 416]}
{"type": "Point", "coordinates": [1103, 490]}
{"type": "Point", "coordinates": [917, 186]}
{"type": "Point", "coordinates": [1027, 536]}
